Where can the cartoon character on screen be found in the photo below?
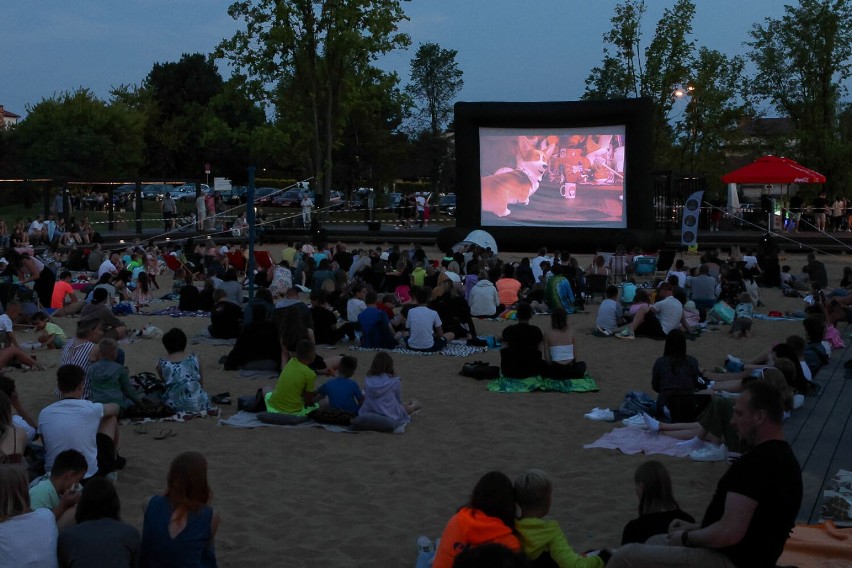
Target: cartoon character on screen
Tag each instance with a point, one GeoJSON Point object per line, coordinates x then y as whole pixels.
{"type": "Point", "coordinates": [509, 186]}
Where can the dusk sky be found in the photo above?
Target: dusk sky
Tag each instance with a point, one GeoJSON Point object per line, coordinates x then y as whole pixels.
{"type": "Point", "coordinates": [525, 50]}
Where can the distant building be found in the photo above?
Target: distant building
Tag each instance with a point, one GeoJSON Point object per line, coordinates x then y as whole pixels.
{"type": "Point", "coordinates": [9, 118]}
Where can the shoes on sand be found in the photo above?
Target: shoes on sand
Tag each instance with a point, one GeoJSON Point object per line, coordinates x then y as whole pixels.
{"type": "Point", "coordinates": [710, 453]}
{"type": "Point", "coordinates": [636, 420]}
{"type": "Point", "coordinates": [601, 415]}
{"type": "Point", "coordinates": [625, 333]}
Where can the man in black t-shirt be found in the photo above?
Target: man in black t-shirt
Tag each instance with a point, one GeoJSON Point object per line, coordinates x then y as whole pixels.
{"type": "Point", "coordinates": [755, 504]}
{"type": "Point", "coordinates": [521, 357]}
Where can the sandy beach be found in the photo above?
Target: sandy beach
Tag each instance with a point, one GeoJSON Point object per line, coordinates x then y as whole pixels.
{"type": "Point", "coordinates": [308, 497]}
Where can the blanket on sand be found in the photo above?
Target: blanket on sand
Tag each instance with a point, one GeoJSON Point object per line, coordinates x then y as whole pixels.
{"type": "Point", "coordinates": [451, 350]}
{"type": "Point", "coordinates": [632, 440]}
{"type": "Point", "coordinates": [503, 384]}
{"type": "Point", "coordinates": [812, 546]}
{"type": "Point", "coordinates": [243, 419]}
{"type": "Point", "coordinates": [175, 312]}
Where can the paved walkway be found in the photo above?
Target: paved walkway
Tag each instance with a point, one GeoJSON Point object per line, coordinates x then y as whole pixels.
{"type": "Point", "coordinates": [821, 432]}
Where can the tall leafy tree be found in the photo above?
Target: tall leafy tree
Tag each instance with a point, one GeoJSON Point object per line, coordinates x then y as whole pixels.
{"type": "Point", "coordinates": [308, 49]}
{"type": "Point", "coordinates": [436, 80]}
{"type": "Point", "coordinates": [628, 70]}
{"type": "Point", "coordinates": [802, 60]}
{"type": "Point", "coordinates": [75, 135]}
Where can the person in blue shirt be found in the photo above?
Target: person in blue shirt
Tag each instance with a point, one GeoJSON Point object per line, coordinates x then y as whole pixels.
{"type": "Point", "coordinates": [343, 392]}
{"type": "Point", "coordinates": [376, 330]}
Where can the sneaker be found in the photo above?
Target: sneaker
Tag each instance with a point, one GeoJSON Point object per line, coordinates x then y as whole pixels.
{"type": "Point", "coordinates": [651, 423]}
{"type": "Point", "coordinates": [604, 332]}
{"type": "Point", "coordinates": [710, 453]}
{"type": "Point", "coordinates": [625, 333]}
{"type": "Point", "coordinates": [637, 420]}
{"type": "Point", "coordinates": [601, 415]}
{"type": "Point", "coordinates": [692, 445]}
{"type": "Point", "coordinates": [798, 401]}
{"type": "Point", "coordinates": [425, 544]}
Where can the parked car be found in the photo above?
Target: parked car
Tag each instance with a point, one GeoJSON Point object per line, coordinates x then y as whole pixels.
{"type": "Point", "coordinates": [124, 189]}
{"type": "Point", "coordinates": [238, 195]}
{"type": "Point", "coordinates": [184, 193]}
{"type": "Point", "coordinates": [336, 200]}
{"type": "Point", "coordinates": [289, 198]}
{"type": "Point", "coordinates": [447, 204]}
{"type": "Point", "coordinates": [263, 195]}
{"type": "Point", "coordinates": [155, 191]}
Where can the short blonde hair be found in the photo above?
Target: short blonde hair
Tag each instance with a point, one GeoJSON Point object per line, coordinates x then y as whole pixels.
{"type": "Point", "coordinates": [533, 489]}
{"type": "Point", "coordinates": [108, 348]}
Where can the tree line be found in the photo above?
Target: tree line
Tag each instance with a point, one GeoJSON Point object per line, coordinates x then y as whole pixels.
{"type": "Point", "coordinates": [306, 100]}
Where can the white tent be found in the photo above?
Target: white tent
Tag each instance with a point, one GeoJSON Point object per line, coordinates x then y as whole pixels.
{"type": "Point", "coordinates": [480, 238]}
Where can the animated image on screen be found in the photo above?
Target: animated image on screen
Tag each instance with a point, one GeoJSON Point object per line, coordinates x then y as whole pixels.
{"type": "Point", "coordinates": [556, 177]}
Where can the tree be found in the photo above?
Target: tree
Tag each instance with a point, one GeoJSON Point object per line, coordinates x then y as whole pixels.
{"type": "Point", "coordinates": [714, 111]}
{"type": "Point", "coordinates": [666, 64]}
{"type": "Point", "coordinates": [308, 49]}
{"type": "Point", "coordinates": [435, 82]}
{"type": "Point", "coordinates": [802, 60]}
{"type": "Point", "coordinates": [77, 136]}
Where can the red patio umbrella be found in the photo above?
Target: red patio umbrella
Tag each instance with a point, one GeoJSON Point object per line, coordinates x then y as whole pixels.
{"type": "Point", "coordinates": [772, 169]}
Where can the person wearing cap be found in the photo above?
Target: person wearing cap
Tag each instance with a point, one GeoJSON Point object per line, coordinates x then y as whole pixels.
{"type": "Point", "coordinates": [659, 319]}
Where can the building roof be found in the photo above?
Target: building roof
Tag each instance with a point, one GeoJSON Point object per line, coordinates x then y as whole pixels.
{"type": "Point", "coordinates": [8, 114]}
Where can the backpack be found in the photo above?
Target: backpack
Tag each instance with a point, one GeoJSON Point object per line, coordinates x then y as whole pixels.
{"type": "Point", "coordinates": [480, 370]}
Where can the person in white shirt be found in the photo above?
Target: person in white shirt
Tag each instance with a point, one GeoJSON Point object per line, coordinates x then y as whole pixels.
{"type": "Point", "coordinates": [484, 300]}
{"type": "Point", "coordinates": [420, 202]}
{"type": "Point", "coordinates": [678, 271]}
{"type": "Point", "coordinates": [73, 423]}
{"type": "Point", "coordinates": [609, 313]}
{"type": "Point", "coordinates": [356, 303]}
{"type": "Point", "coordinates": [27, 537]}
{"type": "Point", "coordinates": [535, 265]}
{"type": "Point", "coordinates": [108, 266]}
{"type": "Point", "coordinates": [424, 325]}
{"type": "Point", "coordinates": [307, 204]}
{"type": "Point", "coordinates": [658, 320]}
{"type": "Point", "coordinates": [37, 231]}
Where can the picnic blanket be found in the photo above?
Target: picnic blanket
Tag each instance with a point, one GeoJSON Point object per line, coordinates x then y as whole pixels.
{"type": "Point", "coordinates": [451, 350]}
{"type": "Point", "coordinates": [177, 417]}
{"type": "Point", "coordinates": [175, 312]}
{"type": "Point", "coordinates": [248, 420]}
{"type": "Point", "coordinates": [777, 318]}
{"type": "Point", "coordinates": [631, 440]}
{"type": "Point", "coordinates": [822, 545]}
{"type": "Point", "coordinates": [503, 384]}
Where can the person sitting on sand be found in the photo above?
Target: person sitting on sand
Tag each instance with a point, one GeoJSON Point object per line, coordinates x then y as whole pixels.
{"type": "Point", "coordinates": [182, 375]}
{"type": "Point", "coordinates": [542, 540]}
{"type": "Point", "coordinates": [676, 376]}
{"type": "Point", "coordinates": [383, 392]}
{"type": "Point", "coordinates": [326, 330]}
{"type": "Point", "coordinates": [343, 393]}
{"type": "Point", "coordinates": [488, 518]}
{"type": "Point", "coordinates": [713, 434]}
{"type": "Point", "coordinates": [225, 317]}
{"type": "Point", "coordinates": [57, 491]}
{"type": "Point", "coordinates": [521, 357]}
{"type": "Point", "coordinates": [64, 299]}
{"type": "Point", "coordinates": [258, 347]}
{"type": "Point", "coordinates": [559, 349]}
{"type": "Point", "coordinates": [73, 423]}
{"type": "Point", "coordinates": [294, 392]}
{"type": "Point", "coordinates": [755, 504]}
{"type": "Point", "coordinates": [109, 380]}
{"type": "Point", "coordinates": [609, 313]}
{"type": "Point", "coordinates": [179, 526]}
{"type": "Point", "coordinates": [99, 538]}
{"type": "Point", "coordinates": [27, 537]}
{"type": "Point", "coordinates": [657, 505]}
{"type": "Point", "coordinates": [424, 325]}
{"type": "Point", "coordinates": [111, 326]}
{"type": "Point", "coordinates": [10, 350]}
{"type": "Point", "coordinates": [484, 299]}
{"type": "Point", "coordinates": [659, 319]}
{"type": "Point", "coordinates": [50, 335]}
{"type": "Point", "coordinates": [376, 329]}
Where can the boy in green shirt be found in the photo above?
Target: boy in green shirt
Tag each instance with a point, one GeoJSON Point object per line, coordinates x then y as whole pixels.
{"type": "Point", "coordinates": [540, 537]}
{"type": "Point", "coordinates": [52, 336]}
{"type": "Point", "coordinates": [294, 391]}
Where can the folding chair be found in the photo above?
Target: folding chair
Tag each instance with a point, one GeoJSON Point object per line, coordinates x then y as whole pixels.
{"type": "Point", "coordinates": [596, 284]}
{"type": "Point", "coordinates": [237, 261]}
